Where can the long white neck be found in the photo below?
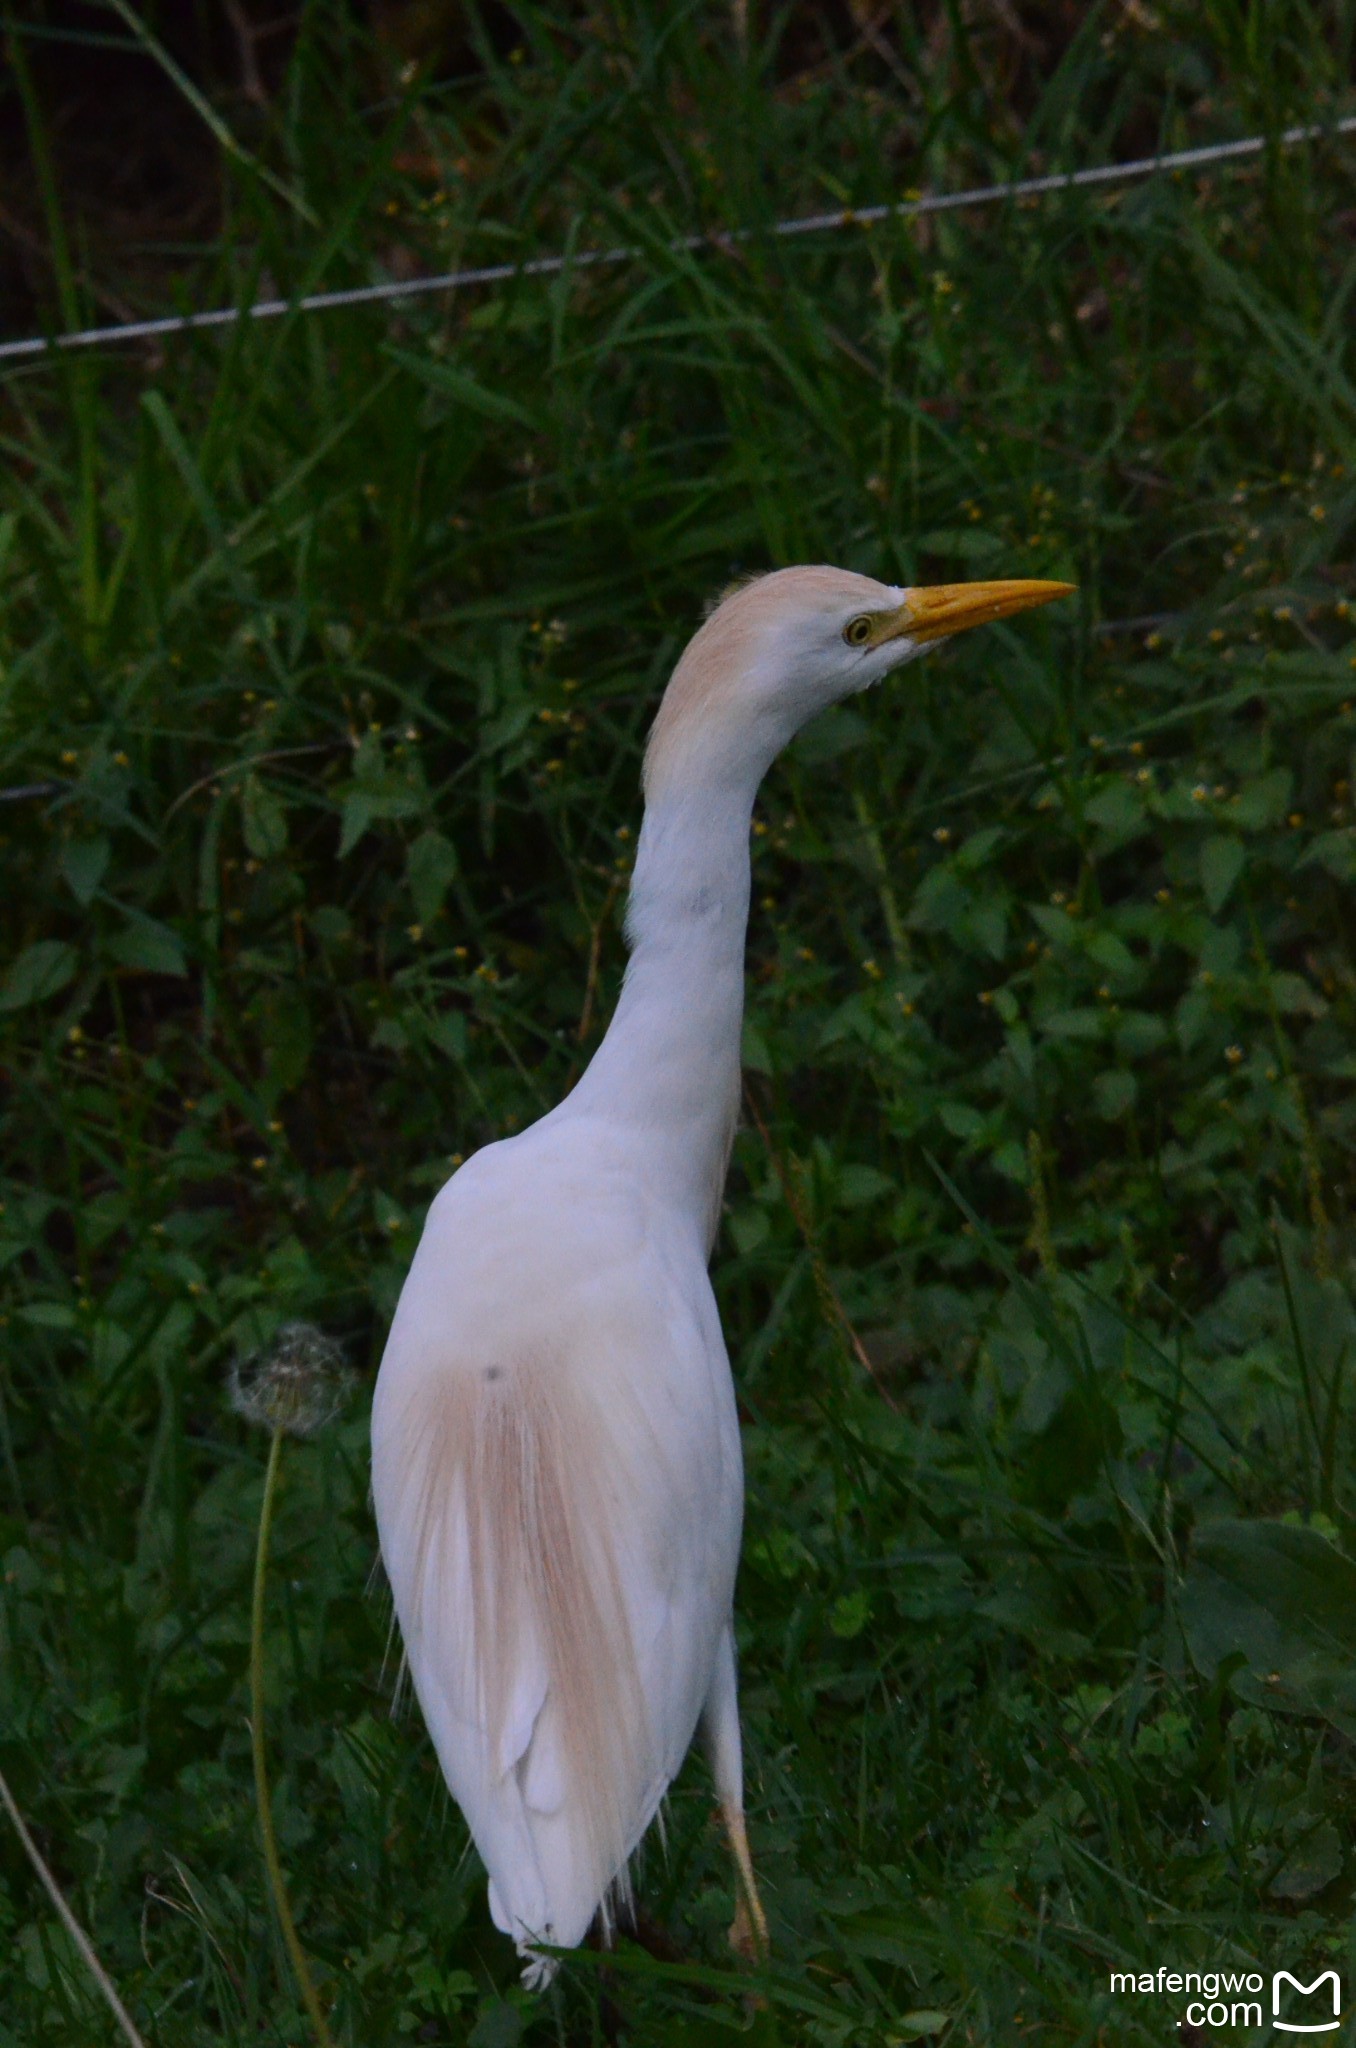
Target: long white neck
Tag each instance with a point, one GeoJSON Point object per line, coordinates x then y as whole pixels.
{"type": "Point", "coordinates": [669, 1068]}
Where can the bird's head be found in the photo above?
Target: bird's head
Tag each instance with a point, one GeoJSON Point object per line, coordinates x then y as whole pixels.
{"type": "Point", "coordinates": [779, 649]}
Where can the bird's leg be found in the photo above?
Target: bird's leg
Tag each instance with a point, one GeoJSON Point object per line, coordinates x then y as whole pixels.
{"type": "Point", "coordinates": [748, 1934]}
{"type": "Point", "coordinates": [748, 1930]}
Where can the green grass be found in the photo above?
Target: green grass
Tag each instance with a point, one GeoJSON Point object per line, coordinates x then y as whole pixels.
{"type": "Point", "coordinates": [341, 636]}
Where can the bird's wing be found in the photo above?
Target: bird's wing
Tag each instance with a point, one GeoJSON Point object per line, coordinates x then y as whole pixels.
{"type": "Point", "coordinates": [557, 1482]}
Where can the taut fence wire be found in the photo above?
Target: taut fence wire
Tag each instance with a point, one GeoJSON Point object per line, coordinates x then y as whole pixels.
{"type": "Point", "coordinates": [392, 290]}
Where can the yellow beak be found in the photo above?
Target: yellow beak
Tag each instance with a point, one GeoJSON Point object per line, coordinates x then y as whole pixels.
{"type": "Point", "coordinates": [944, 608]}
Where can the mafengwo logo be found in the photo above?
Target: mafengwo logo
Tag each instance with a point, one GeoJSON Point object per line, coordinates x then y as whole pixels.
{"type": "Point", "coordinates": [1238, 1998]}
{"type": "Point", "coordinates": [1329, 1981]}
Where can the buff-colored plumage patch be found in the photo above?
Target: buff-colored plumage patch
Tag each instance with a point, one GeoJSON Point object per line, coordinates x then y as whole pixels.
{"type": "Point", "coordinates": [508, 1465]}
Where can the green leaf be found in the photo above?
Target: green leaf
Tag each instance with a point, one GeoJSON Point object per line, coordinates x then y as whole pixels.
{"type": "Point", "coordinates": [1264, 802]}
{"type": "Point", "coordinates": [1335, 851]}
{"type": "Point", "coordinates": [1118, 808]}
{"type": "Point", "coordinates": [263, 819]}
{"type": "Point", "coordinates": [500, 2025]}
{"type": "Point", "coordinates": [1293, 996]}
{"type": "Point", "coordinates": [1057, 924]}
{"type": "Point", "coordinates": [1222, 858]}
{"type": "Point", "coordinates": [40, 971]}
{"type": "Point", "coordinates": [1311, 1865]}
{"type": "Point", "coordinates": [939, 901]}
{"type": "Point", "coordinates": [749, 1228]}
{"type": "Point", "coordinates": [48, 1315]}
{"type": "Point", "coordinates": [83, 865]}
{"type": "Point", "coordinates": [1139, 1032]}
{"type": "Point", "coordinates": [963, 543]}
{"type": "Point", "coordinates": [148, 947]}
{"type": "Point", "coordinates": [1113, 1093]}
{"type": "Point", "coordinates": [288, 1038]}
{"type": "Point", "coordinates": [754, 1052]}
{"type": "Point", "coordinates": [460, 385]}
{"type": "Point", "coordinates": [917, 2025]}
{"type": "Point", "coordinates": [1074, 1023]}
{"type": "Point", "coordinates": [430, 866]}
{"type": "Point", "coordinates": [377, 791]}
{"type": "Point", "coordinates": [1113, 955]}
{"type": "Point", "coordinates": [858, 1184]}
{"type": "Point", "coordinates": [850, 1613]}
{"type": "Point", "coordinates": [987, 925]}
{"type": "Point", "coordinates": [974, 851]}
{"type": "Point", "coordinates": [836, 731]}
{"type": "Point", "coordinates": [1284, 1599]}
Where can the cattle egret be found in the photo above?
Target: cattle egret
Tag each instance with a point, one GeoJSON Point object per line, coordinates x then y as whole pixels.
{"type": "Point", "coordinates": [555, 1449]}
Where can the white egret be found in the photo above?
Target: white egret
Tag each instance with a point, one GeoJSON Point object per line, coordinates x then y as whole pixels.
{"type": "Point", "coordinates": [555, 1450]}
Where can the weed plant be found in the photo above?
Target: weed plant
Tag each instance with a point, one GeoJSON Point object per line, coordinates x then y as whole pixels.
{"type": "Point", "coordinates": [332, 644]}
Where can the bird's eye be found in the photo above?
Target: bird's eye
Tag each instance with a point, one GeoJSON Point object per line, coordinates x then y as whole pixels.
{"type": "Point", "coordinates": [857, 631]}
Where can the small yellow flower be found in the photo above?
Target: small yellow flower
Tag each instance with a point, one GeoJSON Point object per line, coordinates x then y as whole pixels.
{"type": "Point", "coordinates": [1233, 1053]}
{"type": "Point", "coordinates": [942, 834]}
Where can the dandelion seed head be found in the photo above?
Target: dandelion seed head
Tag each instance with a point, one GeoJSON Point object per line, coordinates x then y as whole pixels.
{"type": "Point", "coordinates": [299, 1384]}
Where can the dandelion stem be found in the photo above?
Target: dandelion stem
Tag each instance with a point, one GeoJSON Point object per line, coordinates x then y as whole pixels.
{"type": "Point", "coordinates": [277, 1885]}
{"type": "Point", "coordinates": [68, 1919]}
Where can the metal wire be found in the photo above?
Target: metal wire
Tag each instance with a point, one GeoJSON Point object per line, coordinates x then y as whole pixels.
{"type": "Point", "coordinates": [592, 259]}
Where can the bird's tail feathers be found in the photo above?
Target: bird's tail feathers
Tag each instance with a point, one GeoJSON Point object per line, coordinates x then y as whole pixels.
{"type": "Point", "coordinates": [514, 1469]}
